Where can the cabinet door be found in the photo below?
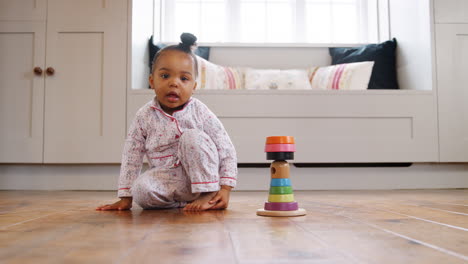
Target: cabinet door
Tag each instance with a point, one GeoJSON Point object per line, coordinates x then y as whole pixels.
{"type": "Point", "coordinates": [452, 80]}
{"type": "Point", "coordinates": [85, 97]}
{"type": "Point", "coordinates": [22, 47]}
{"type": "Point", "coordinates": [23, 10]}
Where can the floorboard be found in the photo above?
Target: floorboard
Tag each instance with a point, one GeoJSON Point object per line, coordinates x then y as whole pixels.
{"type": "Point", "coordinates": [398, 226]}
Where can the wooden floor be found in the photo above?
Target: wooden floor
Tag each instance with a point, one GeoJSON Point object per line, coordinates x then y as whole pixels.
{"type": "Point", "coordinates": [423, 226]}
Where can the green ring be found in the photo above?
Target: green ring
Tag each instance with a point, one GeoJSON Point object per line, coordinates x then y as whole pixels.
{"type": "Point", "coordinates": [281, 190]}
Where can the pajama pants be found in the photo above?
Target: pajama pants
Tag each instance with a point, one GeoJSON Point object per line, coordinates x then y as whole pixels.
{"type": "Point", "coordinates": [198, 171]}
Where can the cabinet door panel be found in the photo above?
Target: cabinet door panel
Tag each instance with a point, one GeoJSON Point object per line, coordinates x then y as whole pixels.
{"type": "Point", "coordinates": [85, 98]}
{"type": "Point", "coordinates": [23, 9]}
{"type": "Point", "coordinates": [22, 47]}
{"type": "Point", "coordinates": [451, 11]}
{"type": "Point", "coordinates": [452, 79]}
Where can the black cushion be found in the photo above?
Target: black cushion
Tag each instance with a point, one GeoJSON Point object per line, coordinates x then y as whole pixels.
{"type": "Point", "coordinates": [384, 56]}
{"type": "Point", "coordinates": [203, 52]}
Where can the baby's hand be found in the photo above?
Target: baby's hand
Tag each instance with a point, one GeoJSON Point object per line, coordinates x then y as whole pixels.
{"type": "Point", "coordinates": [221, 199]}
{"type": "Point", "coordinates": [125, 203]}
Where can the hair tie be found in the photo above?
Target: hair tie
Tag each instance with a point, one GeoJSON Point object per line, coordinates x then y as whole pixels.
{"type": "Point", "coordinates": [188, 40]}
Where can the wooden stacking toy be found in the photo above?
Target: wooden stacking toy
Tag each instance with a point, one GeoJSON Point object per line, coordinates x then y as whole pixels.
{"type": "Point", "coordinates": [281, 198]}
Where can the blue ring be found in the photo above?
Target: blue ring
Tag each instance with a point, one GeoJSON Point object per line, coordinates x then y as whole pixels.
{"type": "Point", "coordinates": [280, 182]}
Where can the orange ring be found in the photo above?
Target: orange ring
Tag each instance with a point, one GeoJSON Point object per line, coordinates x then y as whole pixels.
{"type": "Point", "coordinates": [280, 140]}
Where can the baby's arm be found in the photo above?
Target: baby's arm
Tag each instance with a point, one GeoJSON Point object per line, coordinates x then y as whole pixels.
{"type": "Point", "coordinates": [132, 161]}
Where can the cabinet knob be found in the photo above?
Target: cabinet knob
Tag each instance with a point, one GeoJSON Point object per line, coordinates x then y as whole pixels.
{"type": "Point", "coordinates": [38, 71]}
{"type": "Point", "coordinates": [50, 71]}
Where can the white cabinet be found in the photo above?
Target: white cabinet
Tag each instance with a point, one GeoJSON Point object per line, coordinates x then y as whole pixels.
{"type": "Point", "coordinates": [22, 47]}
{"type": "Point", "coordinates": [23, 10]}
{"type": "Point", "coordinates": [328, 127]}
{"type": "Point", "coordinates": [80, 103]}
{"type": "Point", "coordinates": [452, 85]}
{"type": "Point", "coordinates": [451, 32]}
{"type": "Point", "coordinates": [85, 98]}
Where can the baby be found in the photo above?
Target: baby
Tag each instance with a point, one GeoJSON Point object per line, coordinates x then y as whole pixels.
{"type": "Point", "coordinates": [191, 157]}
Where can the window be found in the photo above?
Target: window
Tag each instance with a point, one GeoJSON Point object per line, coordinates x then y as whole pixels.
{"type": "Point", "coordinates": [269, 21]}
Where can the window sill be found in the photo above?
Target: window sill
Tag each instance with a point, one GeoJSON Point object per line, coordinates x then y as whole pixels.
{"type": "Point", "coordinates": [274, 45]}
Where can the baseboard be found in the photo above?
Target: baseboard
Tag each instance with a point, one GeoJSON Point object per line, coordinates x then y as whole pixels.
{"type": "Point", "coordinates": [104, 177]}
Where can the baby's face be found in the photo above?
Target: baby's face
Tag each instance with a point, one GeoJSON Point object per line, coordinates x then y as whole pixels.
{"type": "Point", "coordinates": [173, 79]}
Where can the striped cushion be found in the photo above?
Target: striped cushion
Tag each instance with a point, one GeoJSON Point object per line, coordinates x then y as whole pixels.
{"type": "Point", "coordinates": [234, 78]}
{"type": "Point", "coordinates": [348, 76]}
{"type": "Point", "coordinates": [215, 77]}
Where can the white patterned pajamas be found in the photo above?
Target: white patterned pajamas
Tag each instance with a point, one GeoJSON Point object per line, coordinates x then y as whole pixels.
{"type": "Point", "coordinates": [188, 153]}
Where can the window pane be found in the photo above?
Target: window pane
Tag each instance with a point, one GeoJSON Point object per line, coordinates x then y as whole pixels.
{"type": "Point", "coordinates": [345, 21]}
{"type": "Point", "coordinates": [186, 18]}
{"type": "Point", "coordinates": [318, 21]}
{"type": "Point", "coordinates": [252, 16]}
{"type": "Point", "coordinates": [272, 21]}
{"type": "Point", "coordinates": [213, 21]}
{"type": "Point", "coordinates": [266, 21]}
{"type": "Point", "coordinates": [204, 18]}
{"type": "Point", "coordinates": [280, 22]}
{"type": "Point", "coordinates": [334, 21]}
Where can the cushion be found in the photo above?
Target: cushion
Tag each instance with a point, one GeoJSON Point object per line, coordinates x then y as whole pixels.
{"type": "Point", "coordinates": [264, 79]}
{"type": "Point", "coordinates": [215, 77]}
{"type": "Point", "coordinates": [347, 76]}
{"type": "Point", "coordinates": [234, 78]}
{"type": "Point", "coordinates": [383, 54]}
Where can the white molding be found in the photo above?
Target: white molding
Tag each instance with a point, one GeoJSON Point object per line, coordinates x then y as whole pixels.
{"type": "Point", "coordinates": [150, 92]}
{"type": "Point", "coordinates": [104, 177]}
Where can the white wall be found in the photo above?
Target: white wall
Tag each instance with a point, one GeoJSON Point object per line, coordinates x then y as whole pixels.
{"type": "Point", "coordinates": [270, 57]}
{"type": "Point", "coordinates": [142, 29]}
{"type": "Point", "coordinates": [411, 24]}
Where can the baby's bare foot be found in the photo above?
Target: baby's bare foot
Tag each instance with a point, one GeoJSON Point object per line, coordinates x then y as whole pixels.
{"type": "Point", "coordinates": [201, 203]}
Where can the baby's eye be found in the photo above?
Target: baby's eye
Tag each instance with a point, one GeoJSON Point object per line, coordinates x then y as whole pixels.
{"type": "Point", "coordinates": [183, 78]}
{"type": "Point", "coordinates": [164, 75]}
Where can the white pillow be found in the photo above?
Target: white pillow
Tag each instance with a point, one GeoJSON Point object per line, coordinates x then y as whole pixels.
{"type": "Point", "coordinates": [263, 79]}
{"type": "Point", "coordinates": [347, 76]}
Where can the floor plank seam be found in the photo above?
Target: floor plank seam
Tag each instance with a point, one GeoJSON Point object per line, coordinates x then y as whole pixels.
{"type": "Point", "coordinates": [446, 251]}
{"type": "Point", "coordinates": [422, 219]}
{"type": "Point", "coordinates": [437, 209]}
{"type": "Point", "coordinates": [455, 204]}
{"type": "Point", "coordinates": [393, 212]}
{"type": "Point", "coordinates": [29, 220]}
{"type": "Point", "coordinates": [236, 259]}
{"type": "Point", "coordinates": [324, 243]}
{"type": "Point", "coordinates": [138, 243]}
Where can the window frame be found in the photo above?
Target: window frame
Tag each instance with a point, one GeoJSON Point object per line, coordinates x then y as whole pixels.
{"type": "Point", "coordinates": [382, 28]}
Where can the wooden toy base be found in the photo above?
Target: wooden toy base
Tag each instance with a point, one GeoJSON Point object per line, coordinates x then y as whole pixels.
{"type": "Point", "coordinates": [299, 212]}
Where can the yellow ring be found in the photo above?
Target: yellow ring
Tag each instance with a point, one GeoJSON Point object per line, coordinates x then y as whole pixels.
{"type": "Point", "coordinates": [281, 198]}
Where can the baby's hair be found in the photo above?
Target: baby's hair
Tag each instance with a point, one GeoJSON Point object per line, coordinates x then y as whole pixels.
{"type": "Point", "coordinates": [188, 41]}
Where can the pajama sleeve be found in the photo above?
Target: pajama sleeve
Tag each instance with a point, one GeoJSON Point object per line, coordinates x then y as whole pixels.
{"type": "Point", "coordinates": [132, 157]}
{"type": "Point", "coordinates": [227, 154]}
